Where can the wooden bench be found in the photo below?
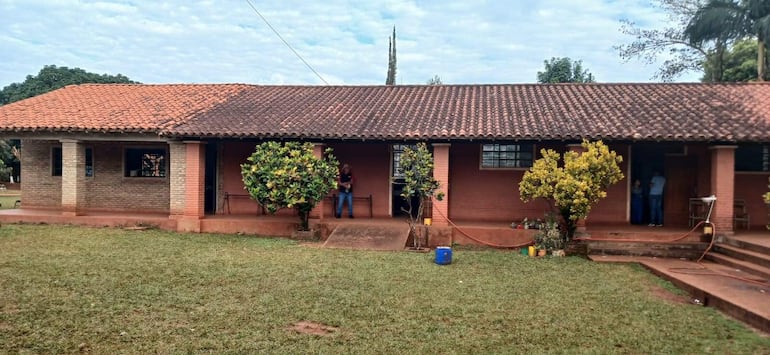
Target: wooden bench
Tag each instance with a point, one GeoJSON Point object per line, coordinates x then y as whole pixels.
{"type": "Point", "coordinates": [366, 199]}
{"type": "Point", "coordinates": [229, 196]}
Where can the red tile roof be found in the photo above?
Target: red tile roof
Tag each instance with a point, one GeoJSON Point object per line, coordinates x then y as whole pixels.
{"type": "Point", "coordinates": [679, 112]}
{"type": "Point", "coordinates": [113, 107]}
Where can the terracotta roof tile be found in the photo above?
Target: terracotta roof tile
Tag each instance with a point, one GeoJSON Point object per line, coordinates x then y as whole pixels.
{"type": "Point", "coordinates": [113, 107]}
{"type": "Point", "coordinates": [682, 112]}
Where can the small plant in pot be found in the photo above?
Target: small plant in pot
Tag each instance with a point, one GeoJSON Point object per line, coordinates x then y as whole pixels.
{"type": "Point", "coordinates": [550, 236]}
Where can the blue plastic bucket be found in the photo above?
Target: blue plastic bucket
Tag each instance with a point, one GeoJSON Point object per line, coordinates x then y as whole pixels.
{"type": "Point", "coordinates": [443, 255]}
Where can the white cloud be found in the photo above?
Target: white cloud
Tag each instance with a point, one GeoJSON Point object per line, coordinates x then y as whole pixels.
{"type": "Point", "coordinates": [344, 40]}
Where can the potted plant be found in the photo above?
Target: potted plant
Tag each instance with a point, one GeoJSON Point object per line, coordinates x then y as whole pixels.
{"type": "Point", "coordinates": [541, 242]}
{"type": "Point", "coordinates": [550, 237]}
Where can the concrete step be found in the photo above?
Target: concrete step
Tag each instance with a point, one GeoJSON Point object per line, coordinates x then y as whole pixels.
{"type": "Point", "coordinates": [738, 264]}
{"type": "Point", "coordinates": [738, 298]}
{"type": "Point", "coordinates": [745, 245]}
{"type": "Point", "coordinates": [369, 237]}
{"type": "Point", "coordinates": [743, 254]}
{"type": "Point", "coordinates": [687, 250]}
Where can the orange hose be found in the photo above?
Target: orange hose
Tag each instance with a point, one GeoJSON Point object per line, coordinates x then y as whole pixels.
{"type": "Point", "coordinates": [674, 270]}
{"type": "Point", "coordinates": [479, 240]}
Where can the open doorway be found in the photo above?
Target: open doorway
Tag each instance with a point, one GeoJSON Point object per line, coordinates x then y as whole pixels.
{"type": "Point", "coordinates": [679, 168]}
{"type": "Point", "coordinates": [398, 204]}
{"type": "Point", "coordinates": [210, 179]}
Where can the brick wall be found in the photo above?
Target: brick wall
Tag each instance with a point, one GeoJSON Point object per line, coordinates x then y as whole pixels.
{"type": "Point", "coordinates": [750, 187]}
{"type": "Point", "coordinates": [613, 208]}
{"type": "Point", "coordinates": [108, 189]}
{"type": "Point", "coordinates": [441, 174]}
{"type": "Point", "coordinates": [40, 190]}
{"type": "Point", "coordinates": [177, 157]}
{"type": "Point", "coordinates": [486, 194]}
{"type": "Point", "coordinates": [371, 168]}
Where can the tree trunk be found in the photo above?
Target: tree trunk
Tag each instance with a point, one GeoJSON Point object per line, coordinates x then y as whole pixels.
{"type": "Point", "coordinates": [304, 213]}
{"type": "Point", "coordinates": [761, 59]}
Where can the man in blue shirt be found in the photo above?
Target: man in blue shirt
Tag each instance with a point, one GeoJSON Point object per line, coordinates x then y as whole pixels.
{"type": "Point", "coordinates": [656, 199]}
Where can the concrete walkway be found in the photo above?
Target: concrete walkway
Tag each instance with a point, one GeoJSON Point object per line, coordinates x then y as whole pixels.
{"type": "Point", "coordinates": [369, 237]}
{"type": "Point", "coordinates": [743, 296]}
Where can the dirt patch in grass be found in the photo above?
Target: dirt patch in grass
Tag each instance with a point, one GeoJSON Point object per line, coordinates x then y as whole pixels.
{"type": "Point", "coordinates": [313, 328]}
{"type": "Point", "coordinates": [668, 296]}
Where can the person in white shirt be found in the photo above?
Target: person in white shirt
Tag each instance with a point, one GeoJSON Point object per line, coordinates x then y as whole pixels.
{"type": "Point", "coordinates": [656, 199]}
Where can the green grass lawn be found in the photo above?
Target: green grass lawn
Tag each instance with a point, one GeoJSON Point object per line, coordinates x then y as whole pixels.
{"type": "Point", "coordinates": [65, 289]}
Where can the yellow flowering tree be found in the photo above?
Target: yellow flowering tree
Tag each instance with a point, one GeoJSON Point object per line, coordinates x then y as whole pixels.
{"type": "Point", "coordinates": [576, 185]}
{"type": "Point", "coordinates": [289, 175]}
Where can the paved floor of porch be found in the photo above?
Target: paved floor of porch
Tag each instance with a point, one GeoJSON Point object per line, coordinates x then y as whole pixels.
{"type": "Point", "coordinates": [465, 231]}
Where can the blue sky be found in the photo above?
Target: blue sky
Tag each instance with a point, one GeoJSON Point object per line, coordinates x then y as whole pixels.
{"type": "Point", "coordinates": [346, 41]}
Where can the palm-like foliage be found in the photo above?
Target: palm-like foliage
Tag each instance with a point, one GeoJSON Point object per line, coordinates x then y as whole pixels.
{"type": "Point", "coordinates": [726, 20]}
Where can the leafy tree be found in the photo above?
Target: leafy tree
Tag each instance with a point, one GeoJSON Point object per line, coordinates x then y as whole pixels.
{"type": "Point", "coordinates": [435, 80]}
{"type": "Point", "coordinates": [416, 165]}
{"type": "Point", "coordinates": [51, 78]}
{"type": "Point", "coordinates": [288, 175]}
{"type": "Point", "coordinates": [573, 188]}
{"type": "Point", "coordinates": [564, 70]}
{"type": "Point", "coordinates": [683, 55]}
{"type": "Point", "coordinates": [391, 79]}
{"type": "Point", "coordinates": [725, 20]}
{"type": "Point", "coordinates": [738, 65]}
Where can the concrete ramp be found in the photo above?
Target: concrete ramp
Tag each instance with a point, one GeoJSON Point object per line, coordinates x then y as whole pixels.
{"type": "Point", "coordinates": [368, 237]}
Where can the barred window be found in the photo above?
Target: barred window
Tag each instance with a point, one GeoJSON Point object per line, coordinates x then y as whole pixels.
{"type": "Point", "coordinates": [398, 149]}
{"type": "Point", "coordinates": [145, 162]}
{"type": "Point", "coordinates": [507, 155]}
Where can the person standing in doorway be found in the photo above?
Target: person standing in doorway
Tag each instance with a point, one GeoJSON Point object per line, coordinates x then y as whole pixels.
{"type": "Point", "coordinates": [345, 185]}
{"type": "Point", "coordinates": [637, 202]}
{"type": "Point", "coordinates": [656, 199]}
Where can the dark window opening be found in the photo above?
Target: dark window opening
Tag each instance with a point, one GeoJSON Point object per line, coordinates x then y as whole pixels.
{"type": "Point", "coordinates": [145, 162]}
{"type": "Point", "coordinates": [89, 162]}
{"type": "Point", "coordinates": [752, 158]}
{"type": "Point", "coordinates": [56, 161]}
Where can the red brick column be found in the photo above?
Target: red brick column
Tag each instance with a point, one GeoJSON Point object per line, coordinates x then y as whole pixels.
{"type": "Point", "coordinates": [195, 172]}
{"type": "Point", "coordinates": [441, 173]}
{"type": "Point", "coordinates": [581, 223]}
{"type": "Point", "coordinates": [73, 188]}
{"type": "Point", "coordinates": [723, 187]}
{"type": "Point", "coordinates": [318, 210]}
{"type": "Point", "coordinates": [193, 161]}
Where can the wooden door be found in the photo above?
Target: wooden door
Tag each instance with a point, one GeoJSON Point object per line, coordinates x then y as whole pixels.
{"type": "Point", "coordinates": [681, 183]}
